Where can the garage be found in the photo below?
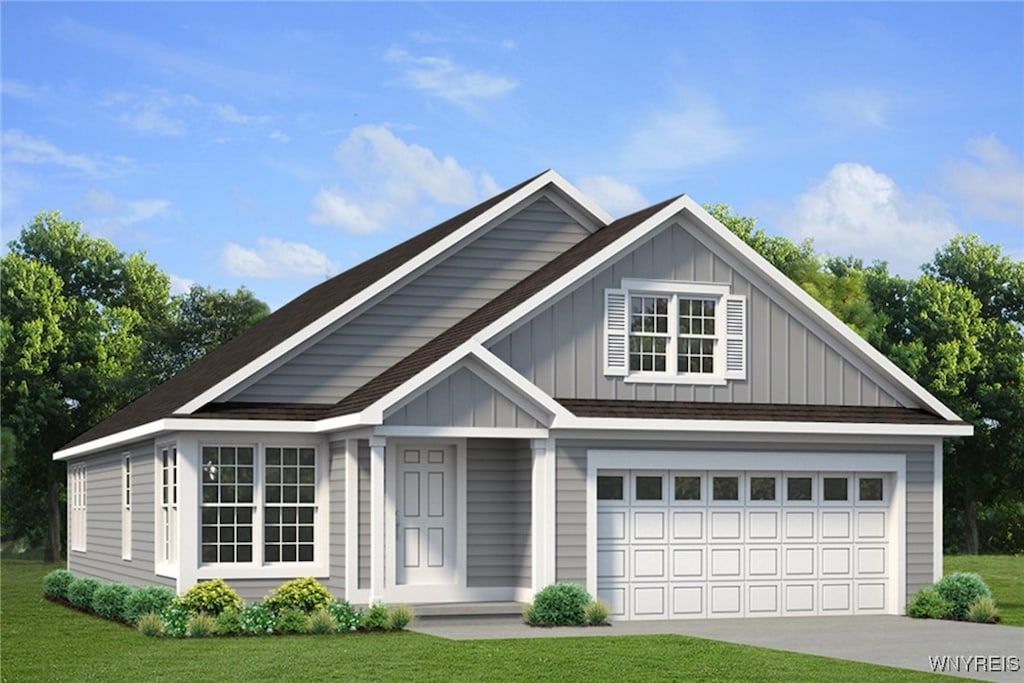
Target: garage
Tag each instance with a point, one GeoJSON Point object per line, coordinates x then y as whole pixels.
{"type": "Point", "coordinates": [691, 544]}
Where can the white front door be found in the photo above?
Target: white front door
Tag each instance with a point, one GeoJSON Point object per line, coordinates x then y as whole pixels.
{"type": "Point", "coordinates": [425, 515]}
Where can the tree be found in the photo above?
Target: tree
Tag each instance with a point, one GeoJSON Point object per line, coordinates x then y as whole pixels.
{"type": "Point", "coordinates": [75, 315]}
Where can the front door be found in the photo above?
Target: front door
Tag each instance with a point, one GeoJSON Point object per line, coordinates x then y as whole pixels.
{"type": "Point", "coordinates": [425, 515]}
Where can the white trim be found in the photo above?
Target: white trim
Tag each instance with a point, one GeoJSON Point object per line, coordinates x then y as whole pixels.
{"type": "Point", "coordinates": [542, 512]}
{"type": "Point", "coordinates": [169, 534]}
{"type": "Point", "coordinates": [675, 287]}
{"type": "Point", "coordinates": [764, 426]}
{"type": "Point", "coordinates": [189, 530]}
{"type": "Point", "coordinates": [126, 506]}
{"type": "Point", "coordinates": [937, 540]}
{"type": "Point", "coordinates": [462, 432]}
{"type": "Point", "coordinates": [351, 469]}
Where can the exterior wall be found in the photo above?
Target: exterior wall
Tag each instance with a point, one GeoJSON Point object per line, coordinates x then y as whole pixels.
{"type": "Point", "coordinates": [392, 328]}
{"type": "Point", "coordinates": [102, 557]}
{"type": "Point", "coordinates": [336, 536]}
{"type": "Point", "coordinates": [498, 509]}
{"type": "Point", "coordinates": [920, 519]}
{"type": "Point", "coordinates": [790, 360]}
{"type": "Point", "coordinates": [461, 400]}
{"type": "Point", "coordinates": [253, 590]}
{"type": "Point", "coordinates": [364, 513]}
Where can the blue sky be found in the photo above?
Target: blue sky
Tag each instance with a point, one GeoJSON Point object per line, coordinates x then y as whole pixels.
{"type": "Point", "coordinates": [272, 145]}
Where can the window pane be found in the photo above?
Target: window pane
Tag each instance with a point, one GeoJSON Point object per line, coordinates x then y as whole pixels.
{"type": "Point", "coordinates": [648, 488]}
{"type": "Point", "coordinates": [725, 488]}
{"type": "Point", "coordinates": [871, 488]}
{"type": "Point", "coordinates": [687, 488]}
{"type": "Point", "coordinates": [609, 488]}
{"type": "Point", "coordinates": [835, 488]}
{"type": "Point", "coordinates": [798, 488]}
{"type": "Point", "coordinates": [762, 488]}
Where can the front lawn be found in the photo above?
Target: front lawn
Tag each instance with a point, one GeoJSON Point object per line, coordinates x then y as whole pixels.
{"type": "Point", "coordinates": [43, 641]}
{"type": "Point", "coordinates": [1004, 574]}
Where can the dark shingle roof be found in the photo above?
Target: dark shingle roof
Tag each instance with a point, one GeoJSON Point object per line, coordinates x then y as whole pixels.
{"type": "Point", "coordinates": [288, 320]}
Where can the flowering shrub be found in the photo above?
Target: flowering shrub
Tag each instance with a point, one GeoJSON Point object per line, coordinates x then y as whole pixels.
{"type": "Point", "coordinates": [210, 597]}
{"type": "Point", "coordinates": [346, 617]}
{"type": "Point", "coordinates": [258, 620]}
{"type": "Point", "coordinates": [306, 595]}
{"type": "Point", "coordinates": [175, 617]}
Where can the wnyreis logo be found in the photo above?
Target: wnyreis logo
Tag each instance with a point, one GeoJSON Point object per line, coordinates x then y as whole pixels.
{"type": "Point", "coordinates": [975, 663]}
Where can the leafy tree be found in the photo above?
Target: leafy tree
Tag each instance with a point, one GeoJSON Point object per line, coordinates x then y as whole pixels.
{"type": "Point", "coordinates": [75, 313]}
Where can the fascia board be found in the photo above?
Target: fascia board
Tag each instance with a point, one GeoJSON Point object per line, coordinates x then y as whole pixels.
{"type": "Point", "coordinates": [385, 283]}
{"type": "Point", "coordinates": [795, 292]}
{"type": "Point", "coordinates": [597, 214]}
{"type": "Point", "coordinates": [761, 427]}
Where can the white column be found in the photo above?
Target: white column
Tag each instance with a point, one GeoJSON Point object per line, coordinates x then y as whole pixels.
{"type": "Point", "coordinates": [189, 531]}
{"type": "Point", "coordinates": [937, 512]}
{"type": "Point", "coordinates": [377, 451]}
{"type": "Point", "coordinates": [543, 513]}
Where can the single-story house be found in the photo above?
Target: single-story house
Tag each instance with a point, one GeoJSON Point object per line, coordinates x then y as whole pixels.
{"type": "Point", "coordinates": [533, 392]}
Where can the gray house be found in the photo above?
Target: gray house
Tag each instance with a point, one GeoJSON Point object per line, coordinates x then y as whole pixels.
{"type": "Point", "coordinates": [527, 393]}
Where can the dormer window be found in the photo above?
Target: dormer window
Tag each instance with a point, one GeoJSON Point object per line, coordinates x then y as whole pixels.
{"type": "Point", "coordinates": [661, 331]}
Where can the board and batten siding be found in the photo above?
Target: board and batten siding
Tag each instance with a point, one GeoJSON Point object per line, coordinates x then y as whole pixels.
{"type": "Point", "coordinates": [498, 509]}
{"type": "Point", "coordinates": [336, 535]}
{"type": "Point", "coordinates": [102, 557]}
{"type": "Point", "coordinates": [462, 399]}
{"type": "Point", "coordinates": [570, 504]}
{"type": "Point", "coordinates": [790, 360]}
{"type": "Point", "coordinates": [390, 329]}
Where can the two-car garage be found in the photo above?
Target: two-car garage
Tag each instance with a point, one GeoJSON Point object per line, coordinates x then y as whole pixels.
{"type": "Point", "coordinates": [699, 543]}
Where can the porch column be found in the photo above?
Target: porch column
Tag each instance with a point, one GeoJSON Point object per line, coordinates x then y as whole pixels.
{"type": "Point", "coordinates": [543, 512]}
{"type": "Point", "coordinates": [377, 451]}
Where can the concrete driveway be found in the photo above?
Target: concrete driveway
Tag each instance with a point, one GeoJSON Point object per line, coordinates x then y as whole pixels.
{"type": "Point", "coordinates": [993, 653]}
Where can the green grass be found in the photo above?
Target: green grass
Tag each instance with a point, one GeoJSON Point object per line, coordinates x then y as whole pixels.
{"type": "Point", "coordinates": [1004, 574]}
{"type": "Point", "coordinates": [42, 641]}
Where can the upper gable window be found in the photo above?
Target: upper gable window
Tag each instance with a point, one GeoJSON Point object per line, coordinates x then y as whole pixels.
{"type": "Point", "coordinates": [675, 332]}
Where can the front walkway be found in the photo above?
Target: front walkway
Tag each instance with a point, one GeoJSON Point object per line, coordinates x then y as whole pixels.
{"type": "Point", "coordinates": [993, 653]}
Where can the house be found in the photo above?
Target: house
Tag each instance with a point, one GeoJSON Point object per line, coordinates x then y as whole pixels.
{"type": "Point", "coordinates": [531, 392]}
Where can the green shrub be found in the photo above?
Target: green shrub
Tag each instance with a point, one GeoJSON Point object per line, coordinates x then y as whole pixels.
{"type": "Point", "coordinates": [211, 597]}
{"type": "Point", "coordinates": [960, 591]}
{"type": "Point", "coordinates": [229, 622]}
{"type": "Point", "coordinates": [305, 595]}
{"type": "Point", "coordinates": [400, 616]}
{"type": "Point", "coordinates": [346, 617]}
{"type": "Point", "coordinates": [258, 620]}
{"type": "Point", "coordinates": [292, 621]}
{"type": "Point", "coordinates": [927, 604]}
{"type": "Point", "coordinates": [530, 614]}
{"type": "Point", "coordinates": [376, 618]}
{"type": "Point", "coordinates": [321, 622]}
{"type": "Point", "coordinates": [110, 601]}
{"type": "Point", "coordinates": [55, 584]}
{"type": "Point", "coordinates": [175, 617]}
{"type": "Point", "coordinates": [983, 611]}
{"type": "Point", "coordinates": [202, 625]}
{"type": "Point", "coordinates": [148, 599]}
{"type": "Point", "coordinates": [596, 613]}
{"type": "Point", "coordinates": [560, 604]}
{"type": "Point", "coordinates": [150, 624]}
{"type": "Point", "coordinates": [80, 592]}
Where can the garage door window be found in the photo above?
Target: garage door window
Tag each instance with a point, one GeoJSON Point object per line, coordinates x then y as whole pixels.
{"type": "Point", "coordinates": [762, 489]}
{"type": "Point", "coordinates": [836, 489]}
{"type": "Point", "coordinates": [871, 489]}
{"type": "Point", "coordinates": [799, 489]}
{"type": "Point", "coordinates": [648, 488]}
{"type": "Point", "coordinates": [609, 487]}
{"type": "Point", "coordinates": [687, 488]}
{"type": "Point", "coordinates": [725, 488]}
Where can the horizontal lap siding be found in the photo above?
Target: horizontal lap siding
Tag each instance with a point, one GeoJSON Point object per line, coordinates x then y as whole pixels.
{"type": "Point", "coordinates": [498, 513]}
{"type": "Point", "coordinates": [363, 508]}
{"type": "Point", "coordinates": [102, 557]}
{"type": "Point", "coordinates": [461, 400]}
{"type": "Point", "coordinates": [336, 537]}
{"type": "Point", "coordinates": [255, 590]}
{"type": "Point", "coordinates": [560, 349]}
{"type": "Point", "coordinates": [571, 514]}
{"type": "Point", "coordinates": [920, 519]}
{"type": "Point", "coordinates": [391, 329]}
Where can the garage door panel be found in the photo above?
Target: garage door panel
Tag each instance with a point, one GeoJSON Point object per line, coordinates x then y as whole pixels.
{"type": "Point", "coordinates": [726, 525]}
{"type": "Point", "coordinates": [611, 563]}
{"type": "Point", "coordinates": [649, 563]}
{"type": "Point", "coordinates": [611, 526]}
{"type": "Point", "coordinates": [688, 563]}
{"type": "Point", "coordinates": [726, 562]}
{"type": "Point", "coordinates": [799, 598]}
{"type": "Point", "coordinates": [836, 597]}
{"type": "Point", "coordinates": [688, 601]}
{"type": "Point", "coordinates": [763, 526]}
{"type": "Point", "coordinates": [799, 562]}
{"type": "Point", "coordinates": [649, 527]}
{"type": "Point", "coordinates": [871, 560]}
{"type": "Point", "coordinates": [763, 599]}
{"type": "Point", "coordinates": [799, 525]}
{"type": "Point", "coordinates": [836, 526]}
{"type": "Point", "coordinates": [615, 598]}
{"type": "Point", "coordinates": [871, 596]}
{"type": "Point", "coordinates": [726, 600]}
{"type": "Point", "coordinates": [649, 602]}
{"type": "Point", "coordinates": [763, 562]}
{"type": "Point", "coordinates": [870, 525]}
{"type": "Point", "coordinates": [836, 561]}
{"type": "Point", "coordinates": [688, 526]}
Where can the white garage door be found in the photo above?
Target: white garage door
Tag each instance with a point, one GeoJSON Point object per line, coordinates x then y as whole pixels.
{"type": "Point", "coordinates": [697, 544]}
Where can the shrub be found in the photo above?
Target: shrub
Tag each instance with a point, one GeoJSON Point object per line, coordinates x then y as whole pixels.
{"type": "Point", "coordinates": [321, 622]}
{"type": "Point", "coordinates": [80, 592]}
{"type": "Point", "coordinates": [55, 584]}
{"type": "Point", "coordinates": [150, 625]}
{"type": "Point", "coordinates": [229, 623]}
{"type": "Point", "coordinates": [983, 611]}
{"type": "Point", "coordinates": [202, 625]}
{"type": "Point", "coordinates": [960, 591]}
{"type": "Point", "coordinates": [376, 618]}
{"type": "Point", "coordinates": [211, 597]}
{"type": "Point", "coordinates": [175, 617]}
{"type": "Point", "coordinates": [560, 604]}
{"type": "Point", "coordinates": [258, 619]}
{"type": "Point", "coordinates": [291, 621]}
{"type": "Point", "coordinates": [596, 613]}
{"type": "Point", "coordinates": [110, 601]}
{"type": "Point", "coordinates": [305, 595]}
{"type": "Point", "coordinates": [400, 616]}
{"type": "Point", "coordinates": [530, 614]}
{"type": "Point", "coordinates": [927, 604]}
{"type": "Point", "coordinates": [346, 617]}
{"type": "Point", "coordinates": [148, 599]}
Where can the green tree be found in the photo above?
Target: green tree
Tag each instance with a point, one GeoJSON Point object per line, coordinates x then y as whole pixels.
{"type": "Point", "coordinates": [74, 316]}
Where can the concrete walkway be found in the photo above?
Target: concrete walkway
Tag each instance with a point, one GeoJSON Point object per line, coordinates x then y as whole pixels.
{"type": "Point", "coordinates": [992, 653]}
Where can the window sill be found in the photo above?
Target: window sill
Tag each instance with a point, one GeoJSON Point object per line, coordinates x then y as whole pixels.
{"type": "Point", "coordinates": [689, 380]}
{"type": "Point", "coordinates": [266, 571]}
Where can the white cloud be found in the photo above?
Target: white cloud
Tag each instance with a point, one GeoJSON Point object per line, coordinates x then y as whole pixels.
{"type": "Point", "coordinates": [441, 77]}
{"type": "Point", "coordinates": [180, 285]}
{"type": "Point", "coordinates": [228, 113]}
{"type": "Point", "coordinates": [274, 258]}
{"type": "Point", "coordinates": [858, 211]}
{"type": "Point", "coordinates": [614, 196]}
{"type": "Point", "coordinates": [23, 91]}
{"type": "Point", "coordinates": [19, 147]}
{"type": "Point", "coordinates": [396, 183]}
{"type": "Point", "coordinates": [114, 215]}
{"type": "Point", "coordinates": [854, 107]}
{"type": "Point", "coordinates": [692, 133]}
{"type": "Point", "coordinates": [279, 136]}
{"type": "Point", "coordinates": [992, 184]}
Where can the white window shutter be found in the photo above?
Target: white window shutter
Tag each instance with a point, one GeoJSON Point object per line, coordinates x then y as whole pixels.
{"type": "Point", "coordinates": [735, 337]}
{"type": "Point", "coordinates": [616, 332]}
